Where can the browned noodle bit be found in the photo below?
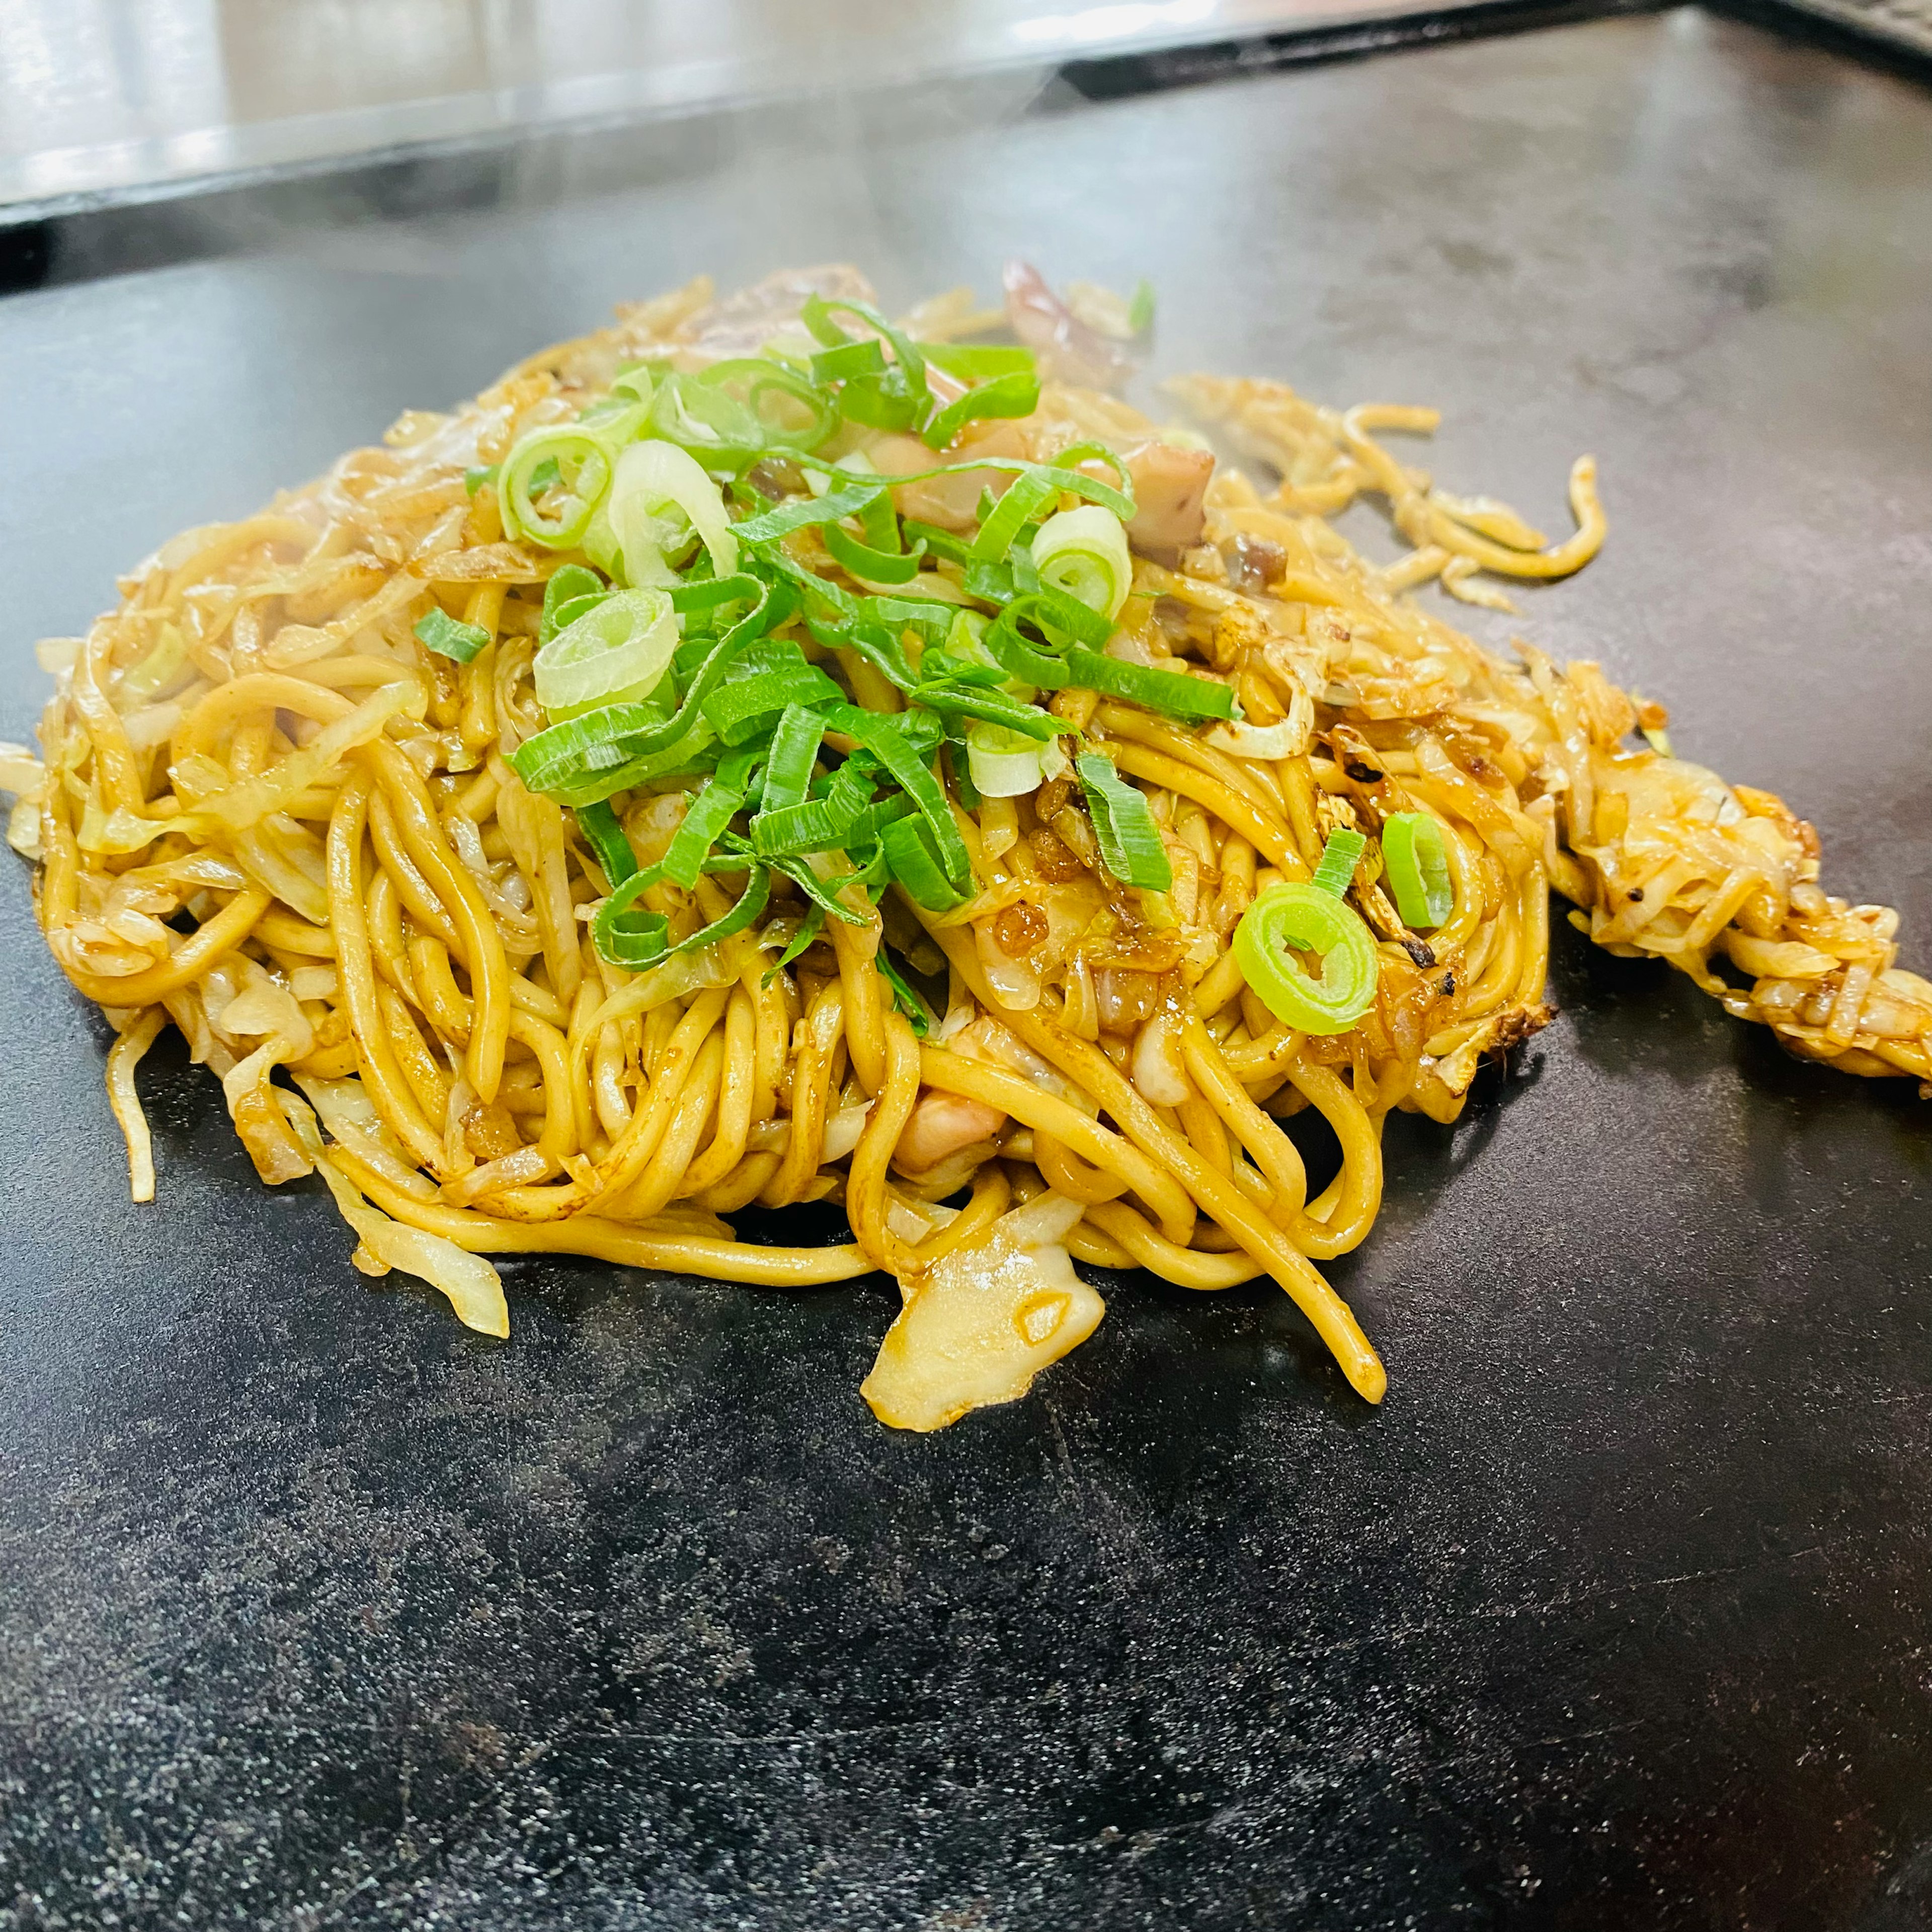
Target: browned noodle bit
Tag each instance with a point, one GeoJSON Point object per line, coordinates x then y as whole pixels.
{"type": "Point", "coordinates": [284, 803]}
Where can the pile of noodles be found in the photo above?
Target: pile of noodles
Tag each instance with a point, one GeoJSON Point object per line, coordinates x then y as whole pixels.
{"type": "Point", "coordinates": [268, 816]}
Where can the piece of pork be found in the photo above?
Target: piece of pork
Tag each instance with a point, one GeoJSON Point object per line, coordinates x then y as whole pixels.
{"type": "Point", "coordinates": [1065, 349]}
{"type": "Point", "coordinates": [950, 502]}
{"type": "Point", "coordinates": [1170, 495]}
{"type": "Point", "coordinates": [942, 1125]}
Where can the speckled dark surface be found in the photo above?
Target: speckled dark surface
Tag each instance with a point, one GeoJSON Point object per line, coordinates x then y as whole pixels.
{"type": "Point", "coordinates": [316, 1611]}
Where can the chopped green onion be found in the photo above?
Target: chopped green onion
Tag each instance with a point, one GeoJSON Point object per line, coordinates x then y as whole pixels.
{"type": "Point", "coordinates": [847, 500]}
{"type": "Point", "coordinates": [870, 566]}
{"type": "Point", "coordinates": [940, 543]}
{"type": "Point", "coordinates": [439, 632]}
{"type": "Point", "coordinates": [1017, 395]}
{"type": "Point", "coordinates": [994, 708]}
{"type": "Point", "coordinates": [740, 710]}
{"type": "Point", "coordinates": [1416, 864]}
{"type": "Point", "coordinates": [916, 865]}
{"type": "Point", "coordinates": [721, 799]}
{"type": "Point", "coordinates": [633, 381]}
{"type": "Point", "coordinates": [605, 837]}
{"type": "Point", "coordinates": [895, 397]}
{"type": "Point", "coordinates": [1026, 496]}
{"type": "Point", "coordinates": [809, 928]}
{"type": "Point", "coordinates": [583, 470]}
{"type": "Point", "coordinates": [701, 414]}
{"type": "Point", "coordinates": [660, 496]}
{"type": "Point", "coordinates": [636, 941]}
{"type": "Point", "coordinates": [930, 618]}
{"type": "Point", "coordinates": [617, 653]}
{"type": "Point", "coordinates": [813, 824]}
{"type": "Point", "coordinates": [977, 362]}
{"type": "Point", "coordinates": [1341, 853]}
{"type": "Point", "coordinates": [761, 378]}
{"type": "Point", "coordinates": [891, 743]}
{"type": "Point", "coordinates": [1173, 693]}
{"type": "Point", "coordinates": [476, 476]}
{"type": "Point", "coordinates": [1130, 845]}
{"type": "Point", "coordinates": [602, 751]}
{"type": "Point", "coordinates": [789, 757]}
{"type": "Point", "coordinates": [1083, 552]}
{"type": "Point", "coordinates": [817, 314]}
{"type": "Point", "coordinates": [823, 893]}
{"type": "Point", "coordinates": [1300, 918]}
{"type": "Point", "coordinates": [866, 357]}
{"type": "Point", "coordinates": [569, 593]}
{"type": "Point", "coordinates": [905, 996]}
{"type": "Point", "coordinates": [1003, 764]}
{"type": "Point", "coordinates": [1140, 309]}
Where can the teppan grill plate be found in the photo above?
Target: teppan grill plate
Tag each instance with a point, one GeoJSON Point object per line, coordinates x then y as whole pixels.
{"type": "Point", "coordinates": [317, 1611]}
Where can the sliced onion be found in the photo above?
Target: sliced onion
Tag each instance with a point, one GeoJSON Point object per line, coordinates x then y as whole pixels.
{"type": "Point", "coordinates": [1271, 742]}
{"type": "Point", "coordinates": [1047, 1217]}
{"type": "Point", "coordinates": [616, 653]}
{"type": "Point", "coordinates": [660, 492]}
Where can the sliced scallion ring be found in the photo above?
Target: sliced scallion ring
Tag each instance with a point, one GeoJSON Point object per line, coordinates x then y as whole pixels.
{"type": "Point", "coordinates": [582, 470]}
{"type": "Point", "coordinates": [1416, 864]}
{"type": "Point", "coordinates": [1296, 918]}
{"type": "Point", "coordinates": [1083, 552]}
{"type": "Point", "coordinates": [1003, 764]}
{"type": "Point", "coordinates": [617, 653]}
{"type": "Point", "coordinates": [661, 495]}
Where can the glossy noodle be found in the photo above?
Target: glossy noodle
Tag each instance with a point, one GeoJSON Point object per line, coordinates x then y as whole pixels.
{"type": "Point", "coordinates": [293, 800]}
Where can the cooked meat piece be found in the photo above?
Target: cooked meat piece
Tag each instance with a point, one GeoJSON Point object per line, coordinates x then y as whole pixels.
{"type": "Point", "coordinates": [1170, 495]}
{"type": "Point", "coordinates": [951, 502]}
{"type": "Point", "coordinates": [940, 1125]}
{"type": "Point", "coordinates": [1067, 350]}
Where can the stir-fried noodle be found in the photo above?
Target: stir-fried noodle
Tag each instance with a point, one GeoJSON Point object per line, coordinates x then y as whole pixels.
{"type": "Point", "coordinates": [308, 796]}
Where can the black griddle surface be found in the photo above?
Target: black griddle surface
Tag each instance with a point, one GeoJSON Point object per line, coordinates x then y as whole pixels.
{"type": "Point", "coordinates": [316, 1611]}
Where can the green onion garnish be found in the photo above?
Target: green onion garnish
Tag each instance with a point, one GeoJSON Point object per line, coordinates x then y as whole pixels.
{"type": "Point", "coordinates": [1140, 309]}
{"type": "Point", "coordinates": [1297, 918]}
{"type": "Point", "coordinates": [568, 594]}
{"type": "Point", "coordinates": [1416, 862]}
{"type": "Point", "coordinates": [439, 632]}
{"type": "Point", "coordinates": [1015, 395]}
{"type": "Point", "coordinates": [789, 757]}
{"type": "Point", "coordinates": [1341, 852]}
{"type": "Point", "coordinates": [849, 359]}
{"type": "Point", "coordinates": [916, 864]}
{"type": "Point", "coordinates": [660, 498]}
{"type": "Point", "coordinates": [738, 712]}
{"type": "Point", "coordinates": [582, 471]}
{"type": "Point", "coordinates": [905, 996]}
{"type": "Point", "coordinates": [1130, 845]}
{"type": "Point", "coordinates": [809, 928]}
{"type": "Point", "coordinates": [870, 566]}
{"type": "Point", "coordinates": [743, 708]}
{"type": "Point", "coordinates": [598, 824]}
{"type": "Point", "coordinates": [977, 362]}
{"type": "Point", "coordinates": [617, 653]}
{"type": "Point", "coordinates": [1176, 693]}
{"type": "Point", "coordinates": [891, 744]}
{"type": "Point", "coordinates": [1083, 552]}
{"type": "Point", "coordinates": [476, 476]}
